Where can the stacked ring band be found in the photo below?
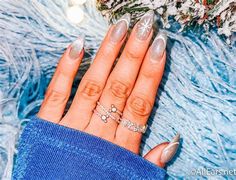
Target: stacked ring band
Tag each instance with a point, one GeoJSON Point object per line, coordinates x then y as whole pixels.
{"type": "Point", "coordinates": [108, 113]}
{"type": "Point", "coordinates": [133, 126]}
{"type": "Point", "coordinates": [103, 117]}
{"type": "Point", "coordinates": [112, 110]}
{"type": "Point", "coordinates": [125, 122]}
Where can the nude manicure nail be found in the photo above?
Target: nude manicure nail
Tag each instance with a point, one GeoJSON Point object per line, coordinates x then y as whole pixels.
{"type": "Point", "coordinates": [144, 26]}
{"type": "Point", "coordinates": [76, 48]}
{"type": "Point", "coordinates": [120, 28]}
{"type": "Point", "coordinates": [158, 47]}
{"type": "Point", "coordinates": [170, 150]}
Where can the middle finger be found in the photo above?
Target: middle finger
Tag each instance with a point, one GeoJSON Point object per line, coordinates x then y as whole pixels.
{"type": "Point", "coordinates": [122, 79]}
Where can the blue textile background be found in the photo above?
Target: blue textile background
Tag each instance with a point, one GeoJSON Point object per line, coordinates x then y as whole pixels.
{"type": "Point", "coordinates": [197, 96]}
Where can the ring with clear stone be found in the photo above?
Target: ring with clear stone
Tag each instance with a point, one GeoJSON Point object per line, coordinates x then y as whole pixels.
{"type": "Point", "coordinates": [102, 116]}
{"type": "Point", "coordinates": [108, 113]}
{"type": "Point", "coordinates": [113, 109]}
{"type": "Point", "coordinates": [133, 126]}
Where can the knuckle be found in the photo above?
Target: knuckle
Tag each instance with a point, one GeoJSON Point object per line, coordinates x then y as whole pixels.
{"type": "Point", "coordinates": [152, 71]}
{"type": "Point", "coordinates": [119, 89]}
{"type": "Point", "coordinates": [107, 50]}
{"type": "Point", "coordinates": [91, 89]}
{"type": "Point", "coordinates": [139, 106]}
{"type": "Point", "coordinates": [132, 55]}
{"type": "Point", "coordinates": [56, 98]}
{"type": "Point", "coordinates": [149, 73]}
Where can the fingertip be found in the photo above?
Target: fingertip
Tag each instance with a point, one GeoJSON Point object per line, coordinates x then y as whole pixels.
{"type": "Point", "coordinates": [157, 51]}
{"type": "Point", "coordinates": [76, 50]}
{"type": "Point", "coordinates": [154, 155]}
{"type": "Point", "coordinates": [163, 153]}
{"type": "Point", "coordinates": [120, 29]}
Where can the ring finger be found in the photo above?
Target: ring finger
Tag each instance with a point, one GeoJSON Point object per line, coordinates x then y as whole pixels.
{"type": "Point", "coordinates": [141, 100]}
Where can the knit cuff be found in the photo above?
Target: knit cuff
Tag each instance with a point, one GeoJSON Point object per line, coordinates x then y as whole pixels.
{"type": "Point", "coordinates": [52, 151]}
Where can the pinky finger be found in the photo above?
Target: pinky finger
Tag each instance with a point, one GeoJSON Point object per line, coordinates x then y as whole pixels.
{"type": "Point", "coordinates": [59, 89]}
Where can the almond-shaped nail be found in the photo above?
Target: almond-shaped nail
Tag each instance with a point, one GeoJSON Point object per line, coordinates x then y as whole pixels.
{"type": "Point", "coordinates": [158, 47]}
{"type": "Point", "coordinates": [76, 48]}
{"type": "Point", "coordinates": [121, 28]}
{"type": "Point", "coordinates": [170, 150]}
{"type": "Point", "coordinates": [144, 26]}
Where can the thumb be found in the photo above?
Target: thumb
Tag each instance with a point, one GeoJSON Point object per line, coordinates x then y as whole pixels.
{"type": "Point", "coordinates": [164, 152]}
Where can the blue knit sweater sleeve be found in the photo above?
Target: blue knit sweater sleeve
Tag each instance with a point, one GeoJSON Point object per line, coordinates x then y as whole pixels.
{"type": "Point", "coordinates": [50, 151]}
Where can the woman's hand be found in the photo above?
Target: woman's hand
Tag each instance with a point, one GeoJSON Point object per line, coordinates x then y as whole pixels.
{"type": "Point", "coordinates": [113, 103]}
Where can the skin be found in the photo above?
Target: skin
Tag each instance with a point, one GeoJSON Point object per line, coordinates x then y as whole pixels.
{"type": "Point", "coordinates": [131, 85]}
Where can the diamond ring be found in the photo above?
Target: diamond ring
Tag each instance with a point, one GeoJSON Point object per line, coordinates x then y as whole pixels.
{"type": "Point", "coordinates": [133, 126]}
{"type": "Point", "coordinates": [108, 113]}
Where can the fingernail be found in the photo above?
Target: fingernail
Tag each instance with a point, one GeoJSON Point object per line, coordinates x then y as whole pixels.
{"type": "Point", "coordinates": [170, 150]}
{"type": "Point", "coordinates": [76, 48]}
{"type": "Point", "coordinates": [144, 26]}
{"type": "Point", "coordinates": [158, 47]}
{"type": "Point", "coordinates": [120, 28]}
